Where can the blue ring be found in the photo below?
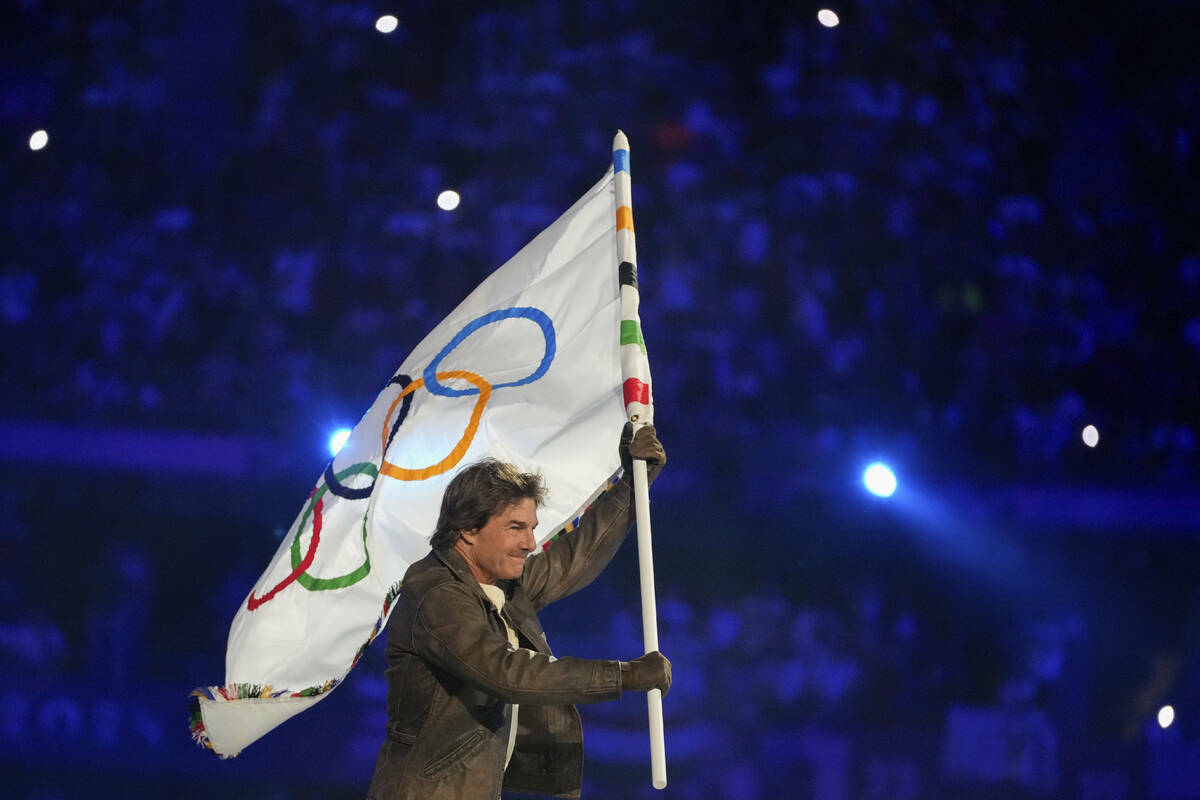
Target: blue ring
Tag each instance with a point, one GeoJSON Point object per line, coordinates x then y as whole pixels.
{"type": "Point", "coordinates": [536, 315]}
{"type": "Point", "coordinates": [342, 490]}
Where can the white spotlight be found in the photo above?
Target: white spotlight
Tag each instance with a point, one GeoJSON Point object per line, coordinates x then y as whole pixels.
{"type": "Point", "coordinates": [337, 440]}
{"type": "Point", "coordinates": [879, 480]}
{"type": "Point", "coordinates": [448, 200]}
{"type": "Point", "coordinates": [827, 18]}
{"type": "Point", "coordinates": [1091, 436]}
{"type": "Point", "coordinates": [1166, 715]}
{"type": "Point", "coordinates": [386, 24]}
{"type": "Point", "coordinates": [38, 140]}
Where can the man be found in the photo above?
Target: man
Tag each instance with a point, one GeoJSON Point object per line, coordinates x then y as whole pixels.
{"type": "Point", "coordinates": [476, 700]}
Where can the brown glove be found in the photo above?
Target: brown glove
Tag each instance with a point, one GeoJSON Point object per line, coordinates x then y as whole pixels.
{"type": "Point", "coordinates": [644, 445]}
{"type": "Point", "coordinates": [651, 671]}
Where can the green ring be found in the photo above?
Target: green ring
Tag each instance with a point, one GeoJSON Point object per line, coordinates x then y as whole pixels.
{"type": "Point", "coordinates": [354, 576]}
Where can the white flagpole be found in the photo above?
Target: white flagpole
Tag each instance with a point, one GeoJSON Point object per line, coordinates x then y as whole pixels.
{"type": "Point", "coordinates": [635, 373]}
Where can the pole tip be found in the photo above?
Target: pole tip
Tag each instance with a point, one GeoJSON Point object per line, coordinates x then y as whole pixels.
{"type": "Point", "coordinates": [620, 142]}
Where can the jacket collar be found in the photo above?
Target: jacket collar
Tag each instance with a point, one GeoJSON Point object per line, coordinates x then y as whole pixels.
{"type": "Point", "coordinates": [530, 628]}
{"type": "Point", "coordinates": [458, 565]}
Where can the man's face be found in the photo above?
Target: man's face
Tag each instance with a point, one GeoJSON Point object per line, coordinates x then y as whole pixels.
{"type": "Point", "coordinates": [497, 551]}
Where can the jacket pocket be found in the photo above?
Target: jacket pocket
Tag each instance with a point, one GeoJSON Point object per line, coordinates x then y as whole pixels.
{"type": "Point", "coordinates": [411, 692]}
{"type": "Point", "coordinates": [458, 753]}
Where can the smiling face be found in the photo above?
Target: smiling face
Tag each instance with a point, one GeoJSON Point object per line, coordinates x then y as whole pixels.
{"type": "Point", "coordinates": [498, 550]}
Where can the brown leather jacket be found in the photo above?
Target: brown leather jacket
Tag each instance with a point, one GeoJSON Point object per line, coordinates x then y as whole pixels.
{"type": "Point", "coordinates": [452, 675]}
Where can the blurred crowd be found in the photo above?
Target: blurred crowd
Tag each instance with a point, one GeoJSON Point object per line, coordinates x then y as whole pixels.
{"type": "Point", "coordinates": [958, 226]}
{"type": "Point", "coordinates": [768, 683]}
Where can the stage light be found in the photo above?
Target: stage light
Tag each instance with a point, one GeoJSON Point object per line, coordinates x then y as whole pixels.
{"type": "Point", "coordinates": [337, 440]}
{"type": "Point", "coordinates": [1091, 436]}
{"type": "Point", "coordinates": [386, 24]}
{"type": "Point", "coordinates": [827, 18]}
{"type": "Point", "coordinates": [1166, 715]}
{"type": "Point", "coordinates": [879, 480]}
{"type": "Point", "coordinates": [38, 140]}
{"type": "Point", "coordinates": [448, 200]}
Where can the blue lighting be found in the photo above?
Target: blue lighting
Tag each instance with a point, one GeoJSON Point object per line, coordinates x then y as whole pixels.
{"type": "Point", "coordinates": [879, 480]}
{"type": "Point", "coordinates": [337, 440]}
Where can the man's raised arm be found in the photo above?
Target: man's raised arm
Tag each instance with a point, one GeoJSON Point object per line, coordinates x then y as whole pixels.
{"type": "Point", "coordinates": [573, 560]}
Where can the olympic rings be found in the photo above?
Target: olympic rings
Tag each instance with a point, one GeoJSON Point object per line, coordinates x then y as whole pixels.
{"type": "Point", "coordinates": [341, 490]}
{"type": "Point", "coordinates": [332, 481]}
{"type": "Point", "coordinates": [253, 602]}
{"type": "Point", "coordinates": [405, 474]}
{"type": "Point", "coordinates": [536, 315]}
{"type": "Point", "coordinates": [431, 380]}
{"type": "Point", "coordinates": [314, 508]}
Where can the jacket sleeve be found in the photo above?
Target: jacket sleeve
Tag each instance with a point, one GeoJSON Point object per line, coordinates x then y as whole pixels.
{"type": "Point", "coordinates": [452, 631]}
{"type": "Point", "coordinates": [573, 560]}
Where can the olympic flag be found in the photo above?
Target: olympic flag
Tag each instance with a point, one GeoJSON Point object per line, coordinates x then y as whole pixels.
{"type": "Point", "coordinates": [526, 369]}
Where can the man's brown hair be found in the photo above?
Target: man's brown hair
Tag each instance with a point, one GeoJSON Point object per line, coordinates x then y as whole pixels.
{"type": "Point", "coordinates": [480, 492]}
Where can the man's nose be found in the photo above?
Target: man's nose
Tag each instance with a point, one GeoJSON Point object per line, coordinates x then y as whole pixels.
{"type": "Point", "coordinates": [528, 544]}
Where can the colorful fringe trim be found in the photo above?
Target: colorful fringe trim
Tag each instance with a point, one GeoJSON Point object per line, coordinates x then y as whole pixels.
{"type": "Point", "coordinates": [246, 691]}
{"type": "Point", "coordinates": [573, 523]}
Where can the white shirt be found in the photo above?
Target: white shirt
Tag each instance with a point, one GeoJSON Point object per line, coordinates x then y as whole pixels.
{"type": "Point", "coordinates": [496, 595]}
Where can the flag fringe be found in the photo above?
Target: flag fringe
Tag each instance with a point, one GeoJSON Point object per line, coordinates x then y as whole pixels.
{"type": "Point", "coordinates": [573, 523]}
{"type": "Point", "coordinates": [251, 691]}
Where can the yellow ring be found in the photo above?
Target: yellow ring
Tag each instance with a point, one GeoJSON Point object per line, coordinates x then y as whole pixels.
{"type": "Point", "coordinates": [403, 473]}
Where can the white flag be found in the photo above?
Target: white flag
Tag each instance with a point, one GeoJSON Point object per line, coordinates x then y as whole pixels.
{"type": "Point", "coordinates": [526, 369]}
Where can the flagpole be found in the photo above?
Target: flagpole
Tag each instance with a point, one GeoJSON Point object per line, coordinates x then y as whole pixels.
{"type": "Point", "coordinates": [635, 374]}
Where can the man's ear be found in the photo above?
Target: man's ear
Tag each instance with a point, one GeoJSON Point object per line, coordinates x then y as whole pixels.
{"type": "Point", "coordinates": [468, 537]}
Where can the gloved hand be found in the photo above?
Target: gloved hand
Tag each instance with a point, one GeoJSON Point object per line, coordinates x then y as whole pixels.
{"type": "Point", "coordinates": [644, 445]}
{"type": "Point", "coordinates": [651, 671]}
